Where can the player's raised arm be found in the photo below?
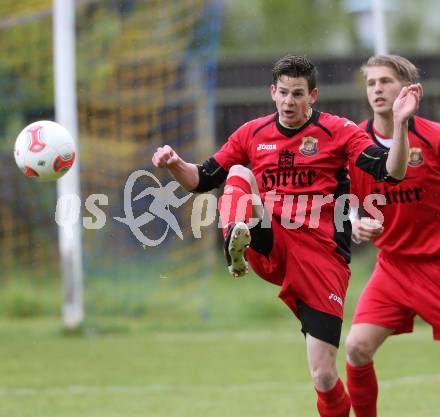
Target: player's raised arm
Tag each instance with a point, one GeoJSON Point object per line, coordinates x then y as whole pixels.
{"type": "Point", "coordinates": [185, 173]}
{"type": "Point", "coordinates": [404, 107]}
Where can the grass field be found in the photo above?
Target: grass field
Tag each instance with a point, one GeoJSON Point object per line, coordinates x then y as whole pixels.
{"type": "Point", "coordinates": [247, 360]}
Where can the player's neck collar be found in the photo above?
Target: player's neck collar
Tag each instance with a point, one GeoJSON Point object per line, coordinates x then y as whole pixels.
{"type": "Point", "coordinates": [370, 130]}
{"type": "Point", "coordinates": [290, 131]}
{"type": "Point", "coordinates": [376, 137]}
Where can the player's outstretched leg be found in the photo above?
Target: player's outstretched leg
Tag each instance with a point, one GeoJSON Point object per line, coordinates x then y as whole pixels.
{"type": "Point", "coordinates": [237, 241]}
{"type": "Point", "coordinates": [236, 211]}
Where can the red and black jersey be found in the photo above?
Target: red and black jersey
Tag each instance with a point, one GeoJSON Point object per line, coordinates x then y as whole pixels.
{"type": "Point", "coordinates": [302, 170]}
{"type": "Point", "coordinates": [411, 213]}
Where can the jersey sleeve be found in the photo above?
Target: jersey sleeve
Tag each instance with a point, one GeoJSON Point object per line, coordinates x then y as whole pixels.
{"type": "Point", "coordinates": [213, 172]}
{"type": "Point", "coordinates": [353, 175]}
{"type": "Point", "coordinates": [373, 160]}
{"type": "Point", "coordinates": [355, 140]}
{"type": "Point", "coordinates": [361, 151]}
{"type": "Point", "coordinates": [211, 175]}
{"type": "Point", "coordinates": [235, 151]}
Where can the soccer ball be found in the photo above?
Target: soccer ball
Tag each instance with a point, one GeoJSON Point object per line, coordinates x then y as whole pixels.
{"type": "Point", "coordinates": [44, 150]}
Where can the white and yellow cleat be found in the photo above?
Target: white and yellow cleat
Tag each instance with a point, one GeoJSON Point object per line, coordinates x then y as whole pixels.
{"type": "Point", "coordinates": [237, 241]}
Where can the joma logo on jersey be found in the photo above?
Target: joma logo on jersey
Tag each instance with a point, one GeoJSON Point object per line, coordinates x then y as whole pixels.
{"type": "Point", "coordinates": [265, 147]}
{"type": "Point", "coordinates": [349, 123]}
{"type": "Point", "coordinates": [334, 297]}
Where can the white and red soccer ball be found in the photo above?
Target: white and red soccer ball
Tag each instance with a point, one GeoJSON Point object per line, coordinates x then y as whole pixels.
{"type": "Point", "coordinates": [44, 150]}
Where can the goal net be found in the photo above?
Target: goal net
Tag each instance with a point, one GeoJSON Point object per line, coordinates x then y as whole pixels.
{"type": "Point", "coordinates": [145, 77]}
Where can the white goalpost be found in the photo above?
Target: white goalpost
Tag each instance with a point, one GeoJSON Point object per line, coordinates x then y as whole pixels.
{"type": "Point", "coordinates": [370, 22]}
{"type": "Point", "coordinates": [70, 245]}
{"type": "Point", "coordinates": [380, 39]}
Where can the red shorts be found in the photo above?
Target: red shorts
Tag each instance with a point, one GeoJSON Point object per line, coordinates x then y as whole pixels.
{"type": "Point", "coordinates": [305, 269]}
{"type": "Point", "coordinates": [398, 290]}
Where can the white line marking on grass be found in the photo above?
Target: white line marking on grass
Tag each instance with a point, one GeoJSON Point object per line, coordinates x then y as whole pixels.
{"type": "Point", "coordinates": [152, 388]}
{"type": "Point", "coordinates": [292, 337]}
{"type": "Point", "coordinates": [426, 379]}
{"type": "Point", "coordinates": [410, 380]}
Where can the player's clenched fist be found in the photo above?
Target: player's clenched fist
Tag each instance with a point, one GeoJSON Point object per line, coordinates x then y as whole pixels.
{"type": "Point", "coordinates": [164, 157]}
{"type": "Point", "coordinates": [186, 174]}
{"type": "Point", "coordinates": [366, 229]}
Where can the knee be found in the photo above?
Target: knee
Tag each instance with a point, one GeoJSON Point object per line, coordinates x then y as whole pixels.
{"type": "Point", "coordinates": [360, 350]}
{"type": "Point", "coordinates": [324, 378]}
{"type": "Point", "coordinates": [240, 171]}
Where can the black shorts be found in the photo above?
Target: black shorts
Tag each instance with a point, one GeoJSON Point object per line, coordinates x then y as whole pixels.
{"type": "Point", "coordinates": [323, 326]}
{"type": "Point", "coordinates": [262, 238]}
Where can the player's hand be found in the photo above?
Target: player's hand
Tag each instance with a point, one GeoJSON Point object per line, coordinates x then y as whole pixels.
{"type": "Point", "coordinates": [365, 229]}
{"type": "Point", "coordinates": [407, 102]}
{"type": "Point", "coordinates": [164, 157]}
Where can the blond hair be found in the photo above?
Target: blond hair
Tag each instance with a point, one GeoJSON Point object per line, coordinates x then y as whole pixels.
{"type": "Point", "coordinates": [405, 70]}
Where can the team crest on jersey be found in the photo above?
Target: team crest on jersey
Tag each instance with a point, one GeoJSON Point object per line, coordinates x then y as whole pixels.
{"type": "Point", "coordinates": [285, 160]}
{"type": "Point", "coordinates": [309, 146]}
{"type": "Point", "coordinates": [415, 157]}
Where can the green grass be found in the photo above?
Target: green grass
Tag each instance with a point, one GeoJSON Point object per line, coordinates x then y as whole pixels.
{"type": "Point", "coordinates": [246, 358]}
{"type": "Point", "coordinates": [213, 373]}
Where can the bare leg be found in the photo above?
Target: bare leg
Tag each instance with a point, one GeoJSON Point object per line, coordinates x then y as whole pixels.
{"type": "Point", "coordinates": [332, 398]}
{"type": "Point", "coordinates": [363, 341]}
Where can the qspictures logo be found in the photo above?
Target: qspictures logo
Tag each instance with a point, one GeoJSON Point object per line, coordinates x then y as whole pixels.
{"type": "Point", "coordinates": [161, 202]}
{"type": "Point", "coordinates": [164, 198]}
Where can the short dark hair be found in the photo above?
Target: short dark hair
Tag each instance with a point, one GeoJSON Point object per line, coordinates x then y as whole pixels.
{"type": "Point", "coordinates": [405, 70]}
{"type": "Point", "coordinates": [295, 66]}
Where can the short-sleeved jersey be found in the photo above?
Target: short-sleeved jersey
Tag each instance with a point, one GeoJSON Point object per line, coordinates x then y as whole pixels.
{"type": "Point", "coordinates": [411, 213]}
{"type": "Point", "coordinates": [305, 168]}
